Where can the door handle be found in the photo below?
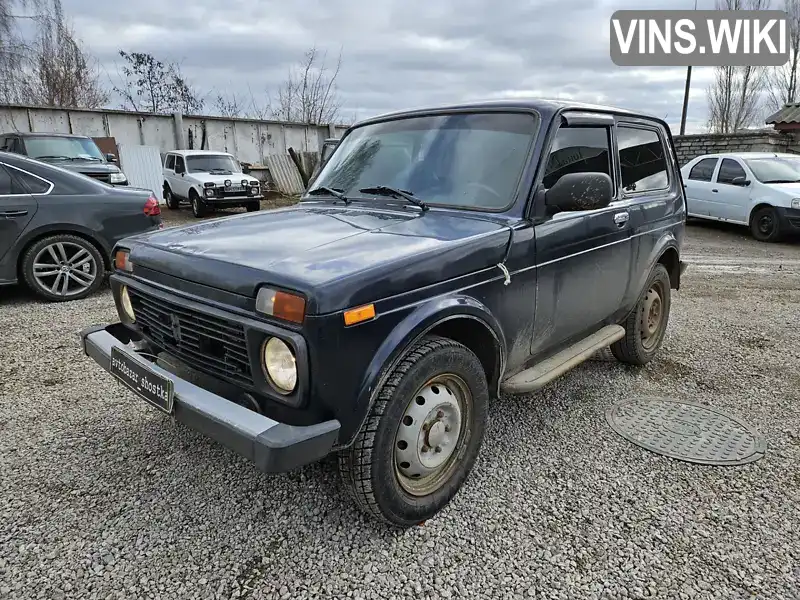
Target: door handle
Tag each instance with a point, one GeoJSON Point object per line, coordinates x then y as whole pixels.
{"type": "Point", "coordinates": [715, 191]}
{"type": "Point", "coordinates": [621, 218]}
{"type": "Point", "coordinates": [10, 214]}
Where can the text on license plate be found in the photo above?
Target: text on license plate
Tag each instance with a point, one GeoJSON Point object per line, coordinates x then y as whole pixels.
{"type": "Point", "coordinates": [136, 375]}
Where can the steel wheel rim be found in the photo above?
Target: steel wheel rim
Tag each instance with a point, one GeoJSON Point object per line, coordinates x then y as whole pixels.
{"type": "Point", "coordinates": [652, 316]}
{"type": "Point", "coordinates": [437, 416]}
{"type": "Point", "coordinates": [64, 269]}
{"type": "Point", "coordinates": [765, 224]}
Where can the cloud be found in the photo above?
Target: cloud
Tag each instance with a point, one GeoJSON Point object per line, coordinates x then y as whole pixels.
{"type": "Point", "coordinates": [396, 54]}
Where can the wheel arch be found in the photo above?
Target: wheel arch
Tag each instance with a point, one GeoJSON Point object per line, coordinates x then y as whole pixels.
{"type": "Point", "coordinates": [63, 229]}
{"type": "Point", "coordinates": [756, 207]}
{"type": "Point", "coordinates": [460, 318]}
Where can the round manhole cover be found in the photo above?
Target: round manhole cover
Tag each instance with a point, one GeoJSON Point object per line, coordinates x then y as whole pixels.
{"type": "Point", "coordinates": [687, 431]}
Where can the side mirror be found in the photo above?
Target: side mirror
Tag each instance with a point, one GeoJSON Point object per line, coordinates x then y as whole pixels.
{"type": "Point", "coordinates": [111, 158]}
{"type": "Point", "coordinates": [741, 181]}
{"type": "Point", "coordinates": [245, 168]}
{"type": "Point", "coordinates": [580, 191]}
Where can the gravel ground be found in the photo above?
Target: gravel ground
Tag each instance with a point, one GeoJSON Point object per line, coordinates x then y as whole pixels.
{"type": "Point", "coordinates": [103, 497]}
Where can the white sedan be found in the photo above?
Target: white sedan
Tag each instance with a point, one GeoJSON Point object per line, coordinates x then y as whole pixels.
{"type": "Point", "coordinates": [757, 189]}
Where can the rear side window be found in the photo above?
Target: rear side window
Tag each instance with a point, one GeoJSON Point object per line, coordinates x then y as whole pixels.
{"type": "Point", "coordinates": [171, 162]}
{"type": "Point", "coordinates": [7, 185]}
{"type": "Point", "coordinates": [30, 183]}
{"type": "Point", "coordinates": [578, 150]}
{"type": "Point", "coordinates": [704, 170]}
{"type": "Point", "coordinates": [642, 159]}
{"type": "Point", "coordinates": [730, 170]}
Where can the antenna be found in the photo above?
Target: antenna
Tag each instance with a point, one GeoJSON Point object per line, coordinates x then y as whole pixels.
{"type": "Point", "coordinates": [686, 92]}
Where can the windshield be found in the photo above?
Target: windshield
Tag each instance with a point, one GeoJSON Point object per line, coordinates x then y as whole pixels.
{"type": "Point", "coordinates": [218, 163]}
{"type": "Point", "coordinates": [774, 170]}
{"type": "Point", "coordinates": [42, 147]}
{"type": "Point", "coordinates": [468, 160]}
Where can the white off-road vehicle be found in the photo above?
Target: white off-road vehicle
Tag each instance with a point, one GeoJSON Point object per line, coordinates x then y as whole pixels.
{"type": "Point", "coordinates": [208, 179]}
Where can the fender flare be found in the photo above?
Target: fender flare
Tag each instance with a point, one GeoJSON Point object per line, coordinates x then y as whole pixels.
{"type": "Point", "coordinates": [411, 329]}
{"type": "Point", "coordinates": [666, 242]}
{"type": "Point", "coordinates": [58, 228]}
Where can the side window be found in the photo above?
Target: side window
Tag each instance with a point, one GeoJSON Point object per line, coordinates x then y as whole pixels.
{"type": "Point", "coordinates": [642, 159]}
{"type": "Point", "coordinates": [180, 166]}
{"type": "Point", "coordinates": [30, 183]}
{"type": "Point", "coordinates": [704, 170]}
{"type": "Point", "coordinates": [730, 170]}
{"type": "Point", "coordinates": [7, 185]}
{"type": "Point", "coordinates": [578, 150]}
{"type": "Point", "coordinates": [171, 162]}
{"type": "Point", "coordinates": [5, 144]}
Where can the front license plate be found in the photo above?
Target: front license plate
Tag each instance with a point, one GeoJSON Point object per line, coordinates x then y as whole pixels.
{"type": "Point", "coordinates": [136, 375]}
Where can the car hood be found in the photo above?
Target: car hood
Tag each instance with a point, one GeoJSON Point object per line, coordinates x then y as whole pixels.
{"type": "Point", "coordinates": [85, 166]}
{"type": "Point", "coordinates": [216, 179]}
{"type": "Point", "coordinates": [337, 257]}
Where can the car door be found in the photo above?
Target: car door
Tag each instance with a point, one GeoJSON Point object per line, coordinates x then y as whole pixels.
{"type": "Point", "coordinates": [17, 208]}
{"type": "Point", "coordinates": [180, 187]}
{"type": "Point", "coordinates": [583, 257]}
{"type": "Point", "coordinates": [169, 170]}
{"type": "Point", "coordinates": [650, 186]}
{"type": "Point", "coordinates": [731, 197]}
{"type": "Point", "coordinates": [698, 185]}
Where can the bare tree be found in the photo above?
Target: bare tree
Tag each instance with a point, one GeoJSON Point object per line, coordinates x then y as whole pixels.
{"type": "Point", "coordinates": [735, 96]}
{"type": "Point", "coordinates": [14, 48]}
{"type": "Point", "coordinates": [61, 72]}
{"type": "Point", "coordinates": [782, 81]}
{"type": "Point", "coordinates": [309, 94]}
{"type": "Point", "coordinates": [150, 85]}
{"type": "Point", "coordinates": [229, 105]}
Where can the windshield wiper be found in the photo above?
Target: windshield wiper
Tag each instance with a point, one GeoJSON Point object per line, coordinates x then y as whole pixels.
{"type": "Point", "coordinates": [53, 157]}
{"type": "Point", "coordinates": [383, 190]}
{"type": "Point", "coordinates": [318, 191]}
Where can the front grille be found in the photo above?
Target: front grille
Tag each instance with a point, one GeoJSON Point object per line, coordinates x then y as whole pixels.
{"type": "Point", "coordinates": [105, 177]}
{"type": "Point", "coordinates": [209, 344]}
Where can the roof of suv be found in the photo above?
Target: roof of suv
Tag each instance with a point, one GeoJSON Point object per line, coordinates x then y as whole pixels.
{"type": "Point", "coordinates": [198, 152]}
{"type": "Point", "coordinates": [541, 105]}
{"type": "Point", "coordinates": [744, 155]}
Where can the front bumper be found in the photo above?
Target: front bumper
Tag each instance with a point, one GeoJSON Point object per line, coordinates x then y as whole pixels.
{"type": "Point", "coordinates": [274, 447]}
{"type": "Point", "coordinates": [790, 219]}
{"type": "Point", "coordinates": [222, 200]}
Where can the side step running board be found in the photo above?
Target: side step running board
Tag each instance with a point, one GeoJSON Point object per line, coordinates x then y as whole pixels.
{"type": "Point", "coordinates": [546, 371]}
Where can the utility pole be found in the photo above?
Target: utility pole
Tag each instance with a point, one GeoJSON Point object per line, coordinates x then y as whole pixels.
{"type": "Point", "coordinates": [686, 92]}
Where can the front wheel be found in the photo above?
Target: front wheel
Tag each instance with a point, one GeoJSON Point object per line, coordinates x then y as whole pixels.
{"type": "Point", "coordinates": [765, 225]}
{"type": "Point", "coordinates": [646, 326]}
{"type": "Point", "coordinates": [63, 267]}
{"type": "Point", "coordinates": [253, 206]}
{"type": "Point", "coordinates": [199, 208]}
{"type": "Point", "coordinates": [422, 435]}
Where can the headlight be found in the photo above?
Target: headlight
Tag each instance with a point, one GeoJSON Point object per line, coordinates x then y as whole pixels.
{"type": "Point", "coordinates": [280, 365]}
{"type": "Point", "coordinates": [125, 301]}
{"type": "Point", "coordinates": [209, 192]}
{"type": "Point", "coordinates": [796, 203]}
{"type": "Point", "coordinates": [118, 177]}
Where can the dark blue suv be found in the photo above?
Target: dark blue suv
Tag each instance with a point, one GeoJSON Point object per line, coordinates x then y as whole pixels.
{"type": "Point", "coordinates": [441, 258]}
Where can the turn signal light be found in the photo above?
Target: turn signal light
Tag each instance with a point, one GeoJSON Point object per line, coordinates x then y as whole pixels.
{"type": "Point", "coordinates": [122, 260]}
{"type": "Point", "coordinates": [359, 315]}
{"type": "Point", "coordinates": [283, 305]}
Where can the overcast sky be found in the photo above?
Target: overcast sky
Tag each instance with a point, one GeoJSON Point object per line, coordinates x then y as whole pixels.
{"type": "Point", "coordinates": [397, 53]}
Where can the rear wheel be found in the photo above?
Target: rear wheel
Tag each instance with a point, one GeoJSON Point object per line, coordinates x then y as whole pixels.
{"type": "Point", "coordinates": [63, 267]}
{"type": "Point", "coordinates": [199, 208]}
{"type": "Point", "coordinates": [765, 225]}
{"type": "Point", "coordinates": [171, 201]}
{"type": "Point", "coordinates": [646, 326]}
{"type": "Point", "coordinates": [422, 436]}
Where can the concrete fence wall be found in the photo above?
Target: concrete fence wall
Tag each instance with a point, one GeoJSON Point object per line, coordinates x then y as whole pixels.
{"type": "Point", "coordinates": [247, 139]}
{"type": "Point", "coordinates": [691, 146]}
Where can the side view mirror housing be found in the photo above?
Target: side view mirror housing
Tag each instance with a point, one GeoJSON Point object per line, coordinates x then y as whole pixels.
{"type": "Point", "coordinates": [580, 191]}
{"type": "Point", "coordinates": [741, 181]}
{"type": "Point", "coordinates": [112, 158]}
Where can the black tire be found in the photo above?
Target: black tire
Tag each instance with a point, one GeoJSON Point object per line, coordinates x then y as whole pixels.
{"type": "Point", "coordinates": [253, 206]}
{"type": "Point", "coordinates": [641, 343]}
{"type": "Point", "coordinates": [765, 225]}
{"type": "Point", "coordinates": [369, 467]}
{"type": "Point", "coordinates": [169, 198]}
{"type": "Point", "coordinates": [199, 208]}
{"type": "Point", "coordinates": [82, 280]}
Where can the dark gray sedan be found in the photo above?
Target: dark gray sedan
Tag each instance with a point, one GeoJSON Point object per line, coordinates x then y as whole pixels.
{"type": "Point", "coordinates": [57, 227]}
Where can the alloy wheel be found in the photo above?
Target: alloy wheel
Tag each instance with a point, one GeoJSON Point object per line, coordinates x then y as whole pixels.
{"type": "Point", "coordinates": [65, 269]}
